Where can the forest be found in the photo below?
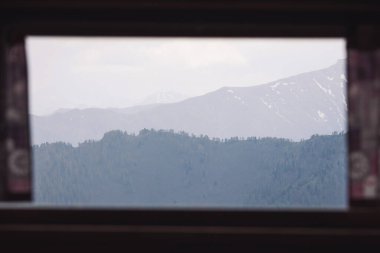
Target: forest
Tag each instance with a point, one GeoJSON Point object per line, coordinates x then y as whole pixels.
{"type": "Point", "coordinates": [167, 169]}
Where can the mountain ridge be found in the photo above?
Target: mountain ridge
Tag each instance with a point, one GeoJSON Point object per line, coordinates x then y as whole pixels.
{"type": "Point", "coordinates": [295, 107]}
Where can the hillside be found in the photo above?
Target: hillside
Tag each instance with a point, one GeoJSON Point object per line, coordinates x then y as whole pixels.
{"type": "Point", "coordinates": [167, 169]}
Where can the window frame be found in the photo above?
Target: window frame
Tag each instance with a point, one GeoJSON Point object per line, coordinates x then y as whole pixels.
{"type": "Point", "coordinates": [352, 230]}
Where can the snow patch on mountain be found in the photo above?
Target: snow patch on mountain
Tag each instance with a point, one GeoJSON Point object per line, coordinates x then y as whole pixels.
{"type": "Point", "coordinates": [321, 114]}
{"type": "Point", "coordinates": [266, 103]}
{"type": "Point", "coordinates": [274, 86]}
{"type": "Point", "coordinates": [321, 86]}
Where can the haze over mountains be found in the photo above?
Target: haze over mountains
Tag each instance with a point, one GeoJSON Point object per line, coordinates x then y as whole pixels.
{"type": "Point", "coordinates": [296, 108]}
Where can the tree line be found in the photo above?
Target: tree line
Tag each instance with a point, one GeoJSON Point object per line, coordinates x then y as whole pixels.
{"type": "Point", "coordinates": [168, 169]}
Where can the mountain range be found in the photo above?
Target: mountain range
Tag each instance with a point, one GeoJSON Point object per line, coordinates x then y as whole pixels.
{"type": "Point", "coordinates": [295, 108]}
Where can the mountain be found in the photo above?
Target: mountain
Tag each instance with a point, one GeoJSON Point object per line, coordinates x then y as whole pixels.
{"type": "Point", "coordinates": [163, 97]}
{"type": "Point", "coordinates": [166, 169]}
{"type": "Point", "coordinates": [296, 108]}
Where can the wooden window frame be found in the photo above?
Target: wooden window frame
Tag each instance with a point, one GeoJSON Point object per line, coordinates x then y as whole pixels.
{"type": "Point", "coordinates": [203, 230]}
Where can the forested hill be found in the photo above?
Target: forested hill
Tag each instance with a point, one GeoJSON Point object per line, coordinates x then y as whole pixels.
{"type": "Point", "coordinates": [167, 169]}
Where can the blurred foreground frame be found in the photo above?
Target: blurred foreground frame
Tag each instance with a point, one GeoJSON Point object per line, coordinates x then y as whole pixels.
{"type": "Point", "coordinates": [64, 230]}
{"type": "Point", "coordinates": [15, 155]}
{"type": "Point", "coordinates": [364, 115]}
{"type": "Point", "coordinates": [357, 22]}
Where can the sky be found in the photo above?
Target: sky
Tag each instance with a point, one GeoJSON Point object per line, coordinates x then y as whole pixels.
{"type": "Point", "coordinates": [77, 72]}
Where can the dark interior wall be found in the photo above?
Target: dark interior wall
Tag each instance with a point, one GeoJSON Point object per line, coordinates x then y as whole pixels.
{"type": "Point", "coordinates": [186, 231]}
{"type": "Point", "coordinates": [196, 18]}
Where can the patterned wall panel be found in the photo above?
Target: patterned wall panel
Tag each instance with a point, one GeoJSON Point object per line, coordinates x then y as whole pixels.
{"type": "Point", "coordinates": [364, 114]}
{"type": "Point", "coordinates": [15, 129]}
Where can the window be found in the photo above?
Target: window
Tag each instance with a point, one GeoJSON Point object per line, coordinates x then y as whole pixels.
{"type": "Point", "coordinates": [196, 230]}
{"type": "Point", "coordinates": [188, 122]}
{"type": "Point", "coordinates": [190, 61]}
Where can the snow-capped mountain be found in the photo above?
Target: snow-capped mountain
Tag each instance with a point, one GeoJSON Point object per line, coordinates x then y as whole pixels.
{"type": "Point", "coordinates": [163, 97]}
{"type": "Point", "coordinates": [296, 107]}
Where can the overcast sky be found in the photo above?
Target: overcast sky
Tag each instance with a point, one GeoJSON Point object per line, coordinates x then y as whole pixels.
{"type": "Point", "coordinates": [121, 72]}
